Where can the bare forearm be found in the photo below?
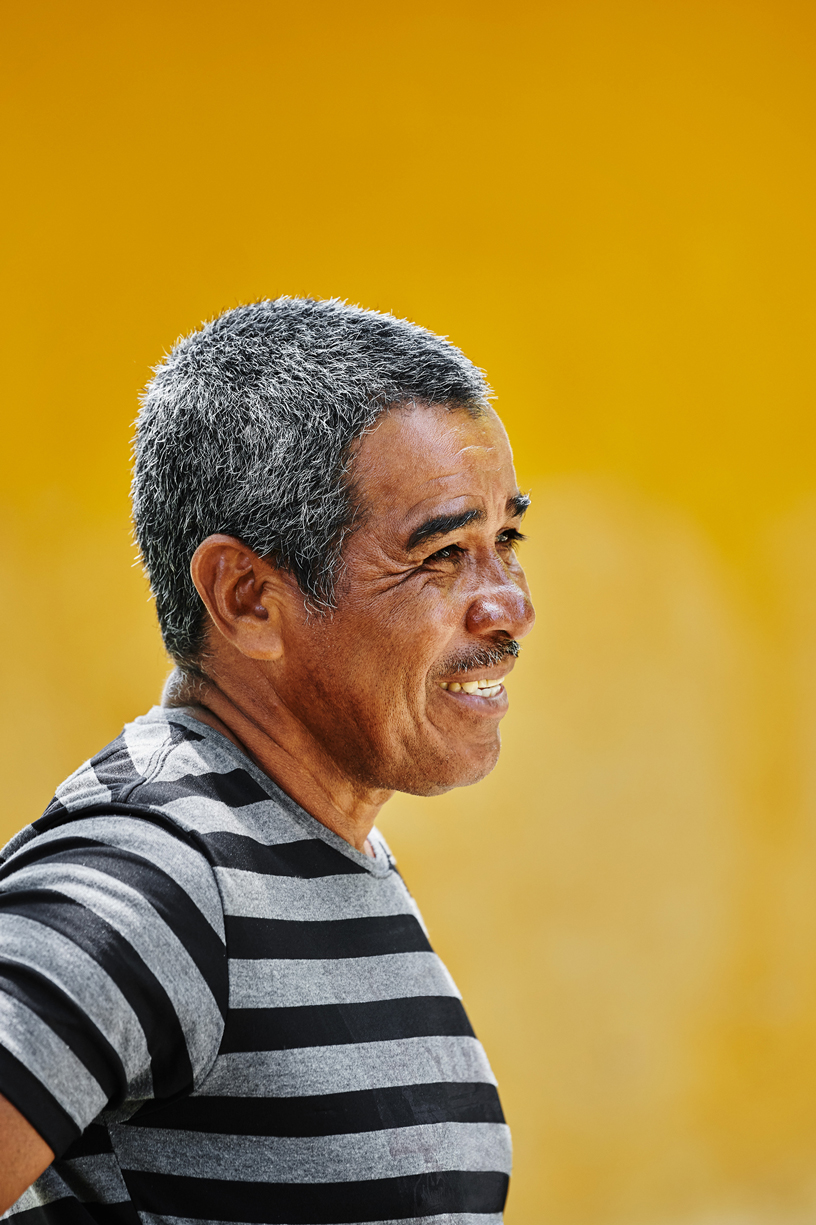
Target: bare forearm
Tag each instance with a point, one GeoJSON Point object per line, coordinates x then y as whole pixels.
{"type": "Point", "coordinates": [25, 1154]}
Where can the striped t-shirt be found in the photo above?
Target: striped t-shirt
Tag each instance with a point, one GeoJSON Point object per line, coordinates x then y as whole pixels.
{"type": "Point", "coordinates": [214, 1009]}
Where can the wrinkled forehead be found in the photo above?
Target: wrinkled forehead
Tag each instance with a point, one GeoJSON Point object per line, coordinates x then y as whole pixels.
{"type": "Point", "coordinates": [419, 454]}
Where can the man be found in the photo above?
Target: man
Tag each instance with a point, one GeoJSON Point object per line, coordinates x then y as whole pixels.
{"type": "Point", "coordinates": [217, 998]}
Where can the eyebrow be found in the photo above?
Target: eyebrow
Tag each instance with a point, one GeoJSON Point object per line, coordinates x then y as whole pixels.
{"type": "Point", "coordinates": [442, 525]}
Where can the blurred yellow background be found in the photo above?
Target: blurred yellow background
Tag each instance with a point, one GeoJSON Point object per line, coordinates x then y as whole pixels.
{"type": "Point", "coordinates": [610, 206]}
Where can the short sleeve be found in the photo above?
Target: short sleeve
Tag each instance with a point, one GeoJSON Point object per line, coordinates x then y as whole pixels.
{"type": "Point", "coordinates": [113, 973]}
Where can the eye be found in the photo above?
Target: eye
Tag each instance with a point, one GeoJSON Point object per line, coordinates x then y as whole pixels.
{"type": "Point", "coordinates": [509, 538]}
{"type": "Point", "coordinates": [451, 552]}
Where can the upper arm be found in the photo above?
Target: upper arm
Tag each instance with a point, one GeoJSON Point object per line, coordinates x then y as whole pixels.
{"type": "Point", "coordinates": [112, 973]}
{"type": "Point", "coordinates": [25, 1154]}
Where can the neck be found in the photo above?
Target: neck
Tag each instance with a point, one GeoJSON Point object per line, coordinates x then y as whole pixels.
{"type": "Point", "coordinates": [284, 751]}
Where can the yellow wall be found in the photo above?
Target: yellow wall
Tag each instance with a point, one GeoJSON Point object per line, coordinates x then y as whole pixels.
{"type": "Point", "coordinates": [610, 206]}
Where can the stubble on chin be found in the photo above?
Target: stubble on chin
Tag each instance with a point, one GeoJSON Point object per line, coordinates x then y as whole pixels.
{"type": "Point", "coordinates": [434, 773]}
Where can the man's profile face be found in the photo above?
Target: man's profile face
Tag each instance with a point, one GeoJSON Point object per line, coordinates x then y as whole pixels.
{"type": "Point", "coordinates": [430, 594]}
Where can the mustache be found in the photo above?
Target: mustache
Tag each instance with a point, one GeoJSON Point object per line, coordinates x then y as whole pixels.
{"type": "Point", "coordinates": [480, 657]}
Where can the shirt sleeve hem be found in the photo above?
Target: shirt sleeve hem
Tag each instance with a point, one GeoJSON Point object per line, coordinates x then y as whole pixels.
{"type": "Point", "coordinates": [28, 1095]}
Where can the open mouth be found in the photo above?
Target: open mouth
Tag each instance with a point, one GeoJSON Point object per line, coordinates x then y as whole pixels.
{"type": "Point", "coordinates": [482, 689]}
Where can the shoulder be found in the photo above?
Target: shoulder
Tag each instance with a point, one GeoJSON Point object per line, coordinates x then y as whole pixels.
{"type": "Point", "coordinates": [178, 770]}
{"type": "Point", "coordinates": [153, 746]}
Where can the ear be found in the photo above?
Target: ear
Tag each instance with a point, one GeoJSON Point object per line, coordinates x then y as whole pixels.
{"type": "Point", "coordinates": [243, 594]}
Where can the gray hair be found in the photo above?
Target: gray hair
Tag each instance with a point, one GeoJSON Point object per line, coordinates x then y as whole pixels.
{"type": "Point", "coordinates": [246, 428]}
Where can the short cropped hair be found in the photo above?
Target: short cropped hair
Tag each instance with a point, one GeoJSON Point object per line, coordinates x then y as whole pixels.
{"type": "Point", "coordinates": [246, 428]}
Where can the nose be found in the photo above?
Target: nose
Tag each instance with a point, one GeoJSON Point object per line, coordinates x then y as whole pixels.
{"type": "Point", "coordinates": [502, 605]}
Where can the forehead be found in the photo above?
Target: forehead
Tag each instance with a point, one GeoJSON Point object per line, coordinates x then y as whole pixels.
{"type": "Point", "coordinates": [421, 457]}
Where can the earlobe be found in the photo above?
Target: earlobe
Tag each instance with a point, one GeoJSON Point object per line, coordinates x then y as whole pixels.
{"type": "Point", "coordinates": [242, 593]}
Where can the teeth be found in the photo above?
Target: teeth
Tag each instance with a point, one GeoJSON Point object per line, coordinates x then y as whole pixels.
{"type": "Point", "coordinates": [485, 689]}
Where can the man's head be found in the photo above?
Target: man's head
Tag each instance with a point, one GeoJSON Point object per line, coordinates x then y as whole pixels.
{"type": "Point", "coordinates": [247, 428]}
{"type": "Point", "coordinates": [347, 499]}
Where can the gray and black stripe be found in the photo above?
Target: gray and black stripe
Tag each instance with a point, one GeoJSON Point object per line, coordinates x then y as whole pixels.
{"type": "Point", "coordinates": [216, 1010]}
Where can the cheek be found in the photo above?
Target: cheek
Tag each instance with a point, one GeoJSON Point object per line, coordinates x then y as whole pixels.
{"type": "Point", "coordinates": [391, 694]}
{"type": "Point", "coordinates": [376, 654]}
{"type": "Point", "coordinates": [421, 625]}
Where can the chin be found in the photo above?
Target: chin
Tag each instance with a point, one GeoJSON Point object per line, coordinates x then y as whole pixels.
{"type": "Point", "coordinates": [457, 770]}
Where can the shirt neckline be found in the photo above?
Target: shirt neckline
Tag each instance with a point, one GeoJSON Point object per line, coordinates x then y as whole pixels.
{"type": "Point", "coordinates": [383, 860]}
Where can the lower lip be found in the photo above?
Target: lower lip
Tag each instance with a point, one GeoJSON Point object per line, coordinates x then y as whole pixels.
{"type": "Point", "coordinates": [479, 705]}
